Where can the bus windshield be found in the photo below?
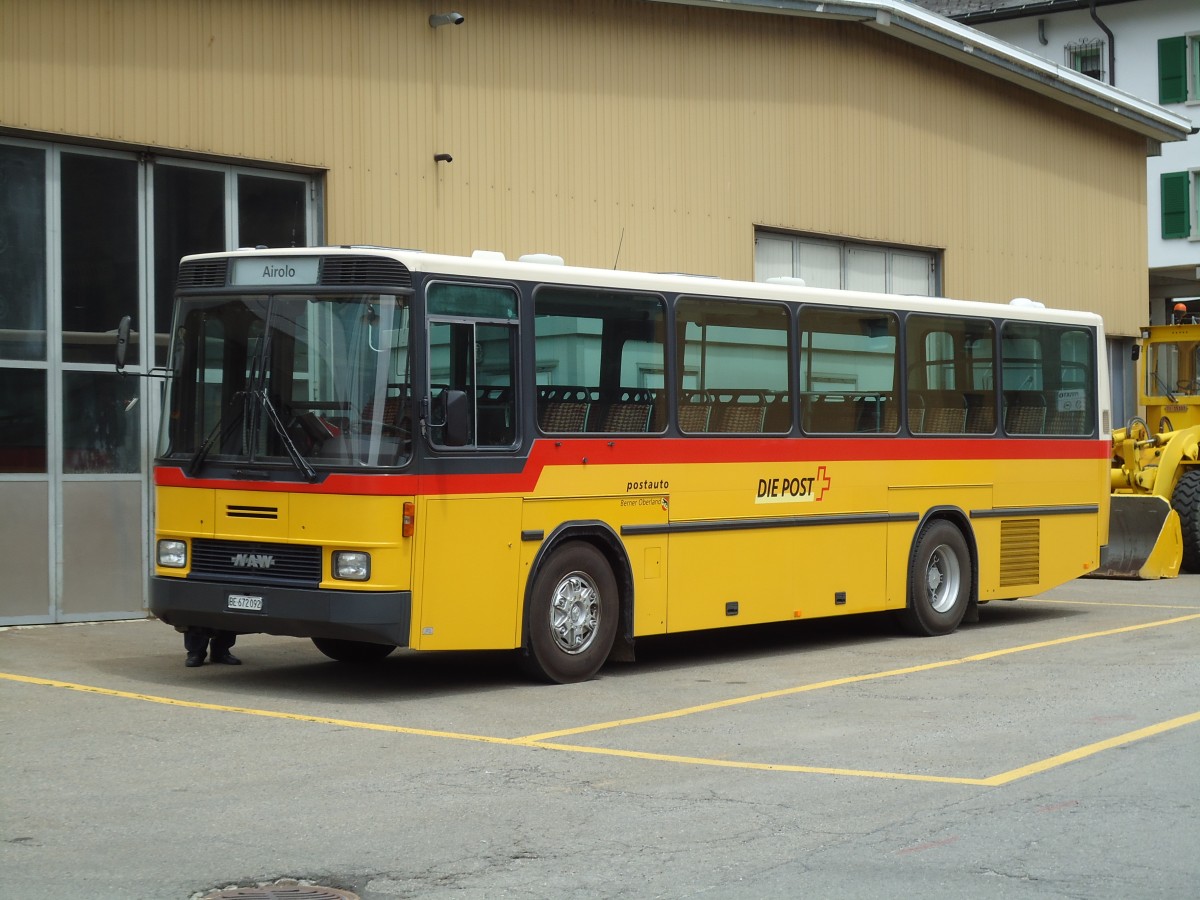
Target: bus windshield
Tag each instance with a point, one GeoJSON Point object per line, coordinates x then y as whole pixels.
{"type": "Point", "coordinates": [296, 381]}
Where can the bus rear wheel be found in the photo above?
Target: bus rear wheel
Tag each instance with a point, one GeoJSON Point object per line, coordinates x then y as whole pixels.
{"type": "Point", "coordinates": [571, 616]}
{"type": "Point", "coordinates": [356, 652]}
{"type": "Point", "coordinates": [939, 581]}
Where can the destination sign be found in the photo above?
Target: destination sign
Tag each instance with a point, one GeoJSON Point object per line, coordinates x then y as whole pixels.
{"type": "Point", "coordinates": [261, 270]}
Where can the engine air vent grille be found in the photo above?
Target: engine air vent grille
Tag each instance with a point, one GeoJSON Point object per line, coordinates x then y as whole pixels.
{"type": "Point", "coordinates": [352, 271]}
{"type": "Point", "coordinates": [204, 273]}
{"type": "Point", "coordinates": [1020, 551]}
{"type": "Point", "coordinates": [251, 512]}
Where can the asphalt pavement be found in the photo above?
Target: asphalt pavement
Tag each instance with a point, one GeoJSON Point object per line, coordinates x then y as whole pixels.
{"type": "Point", "coordinates": [1049, 751]}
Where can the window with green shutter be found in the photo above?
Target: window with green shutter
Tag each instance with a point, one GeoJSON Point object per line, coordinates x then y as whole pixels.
{"type": "Point", "coordinates": [1172, 70]}
{"type": "Point", "coordinates": [1176, 214]}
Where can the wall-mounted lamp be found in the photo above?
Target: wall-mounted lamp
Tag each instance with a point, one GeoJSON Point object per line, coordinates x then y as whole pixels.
{"type": "Point", "coordinates": [450, 18]}
{"type": "Point", "coordinates": [443, 157]}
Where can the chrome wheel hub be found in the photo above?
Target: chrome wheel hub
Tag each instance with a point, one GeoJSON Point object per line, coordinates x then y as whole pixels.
{"type": "Point", "coordinates": [575, 613]}
{"type": "Point", "coordinates": [943, 579]}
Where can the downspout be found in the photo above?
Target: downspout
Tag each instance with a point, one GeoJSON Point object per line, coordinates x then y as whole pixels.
{"type": "Point", "coordinates": [1112, 49]}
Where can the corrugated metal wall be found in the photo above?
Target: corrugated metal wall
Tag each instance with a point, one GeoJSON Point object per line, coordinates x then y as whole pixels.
{"type": "Point", "coordinates": [612, 132]}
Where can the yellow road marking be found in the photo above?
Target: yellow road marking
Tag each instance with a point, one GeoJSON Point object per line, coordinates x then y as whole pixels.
{"type": "Point", "coordinates": [1062, 759]}
{"type": "Point", "coordinates": [541, 742]}
{"type": "Point", "coordinates": [247, 711]}
{"type": "Point", "coordinates": [763, 767]}
{"type": "Point", "coordinates": [486, 739]}
{"type": "Point", "coordinates": [851, 679]}
{"type": "Point", "coordinates": [1105, 603]}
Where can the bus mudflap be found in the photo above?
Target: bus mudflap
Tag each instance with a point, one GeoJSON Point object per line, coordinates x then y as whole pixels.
{"type": "Point", "coordinates": [1144, 539]}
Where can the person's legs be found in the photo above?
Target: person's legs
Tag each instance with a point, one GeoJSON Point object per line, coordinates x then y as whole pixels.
{"type": "Point", "coordinates": [195, 641]}
{"type": "Point", "coordinates": [221, 642]}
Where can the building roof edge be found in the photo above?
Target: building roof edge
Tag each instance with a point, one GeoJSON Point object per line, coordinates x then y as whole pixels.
{"type": "Point", "coordinates": [946, 37]}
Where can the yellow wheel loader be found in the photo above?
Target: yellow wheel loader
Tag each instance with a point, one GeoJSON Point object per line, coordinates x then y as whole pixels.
{"type": "Point", "coordinates": [1154, 524]}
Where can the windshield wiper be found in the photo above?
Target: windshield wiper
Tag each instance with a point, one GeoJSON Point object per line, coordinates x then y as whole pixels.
{"type": "Point", "coordinates": [201, 453]}
{"type": "Point", "coordinates": [225, 429]}
{"type": "Point", "coordinates": [257, 376]}
{"type": "Point", "coordinates": [256, 391]}
{"type": "Point", "coordinates": [298, 460]}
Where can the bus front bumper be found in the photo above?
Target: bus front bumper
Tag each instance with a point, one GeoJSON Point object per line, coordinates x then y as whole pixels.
{"type": "Point", "coordinates": [376, 617]}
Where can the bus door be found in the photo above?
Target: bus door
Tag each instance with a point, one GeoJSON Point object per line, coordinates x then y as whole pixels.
{"type": "Point", "coordinates": [469, 516]}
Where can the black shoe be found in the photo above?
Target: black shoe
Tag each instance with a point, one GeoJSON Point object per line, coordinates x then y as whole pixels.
{"type": "Point", "coordinates": [228, 658]}
{"type": "Point", "coordinates": [194, 659]}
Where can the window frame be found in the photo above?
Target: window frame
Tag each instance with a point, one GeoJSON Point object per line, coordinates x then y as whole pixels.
{"type": "Point", "coordinates": [719, 354]}
{"type": "Point", "coordinates": [602, 352]}
{"type": "Point", "coordinates": [845, 249]}
{"type": "Point", "coordinates": [1077, 52]}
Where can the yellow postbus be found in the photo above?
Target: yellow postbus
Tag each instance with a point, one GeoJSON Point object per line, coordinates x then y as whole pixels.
{"type": "Point", "coordinates": [379, 448]}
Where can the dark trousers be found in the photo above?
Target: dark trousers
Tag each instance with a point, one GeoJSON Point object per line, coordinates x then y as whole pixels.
{"type": "Point", "coordinates": [195, 640]}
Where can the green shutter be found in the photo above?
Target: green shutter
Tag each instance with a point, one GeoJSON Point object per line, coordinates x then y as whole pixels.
{"type": "Point", "coordinates": [1172, 70]}
{"type": "Point", "coordinates": [1176, 217]}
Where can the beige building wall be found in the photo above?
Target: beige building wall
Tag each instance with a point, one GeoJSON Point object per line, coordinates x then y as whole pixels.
{"type": "Point", "coordinates": [613, 132]}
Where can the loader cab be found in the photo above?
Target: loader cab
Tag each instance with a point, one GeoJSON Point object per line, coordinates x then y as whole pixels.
{"type": "Point", "coordinates": [1170, 381]}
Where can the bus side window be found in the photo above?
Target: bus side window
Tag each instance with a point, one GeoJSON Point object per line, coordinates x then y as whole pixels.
{"type": "Point", "coordinates": [1069, 411]}
{"type": "Point", "coordinates": [847, 371]}
{"type": "Point", "coordinates": [1035, 360]}
{"type": "Point", "coordinates": [601, 356]}
{"type": "Point", "coordinates": [737, 355]}
{"type": "Point", "coordinates": [951, 385]}
{"type": "Point", "coordinates": [472, 365]}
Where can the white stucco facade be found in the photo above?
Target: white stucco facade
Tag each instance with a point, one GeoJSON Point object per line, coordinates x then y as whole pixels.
{"type": "Point", "coordinates": [1137, 27]}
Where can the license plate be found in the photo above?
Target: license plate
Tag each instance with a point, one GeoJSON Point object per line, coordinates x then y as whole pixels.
{"type": "Point", "coordinates": [244, 601]}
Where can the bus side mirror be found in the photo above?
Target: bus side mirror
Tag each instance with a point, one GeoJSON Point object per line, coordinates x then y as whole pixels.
{"type": "Point", "coordinates": [122, 341]}
{"type": "Point", "coordinates": [458, 412]}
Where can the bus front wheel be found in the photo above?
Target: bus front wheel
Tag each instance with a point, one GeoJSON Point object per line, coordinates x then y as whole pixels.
{"type": "Point", "coordinates": [358, 652]}
{"type": "Point", "coordinates": [571, 618]}
{"type": "Point", "coordinates": [939, 581]}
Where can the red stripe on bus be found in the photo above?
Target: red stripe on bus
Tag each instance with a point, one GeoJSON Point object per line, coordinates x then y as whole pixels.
{"type": "Point", "coordinates": [548, 453]}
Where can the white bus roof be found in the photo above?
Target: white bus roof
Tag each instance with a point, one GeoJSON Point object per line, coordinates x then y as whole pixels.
{"type": "Point", "coordinates": [549, 269]}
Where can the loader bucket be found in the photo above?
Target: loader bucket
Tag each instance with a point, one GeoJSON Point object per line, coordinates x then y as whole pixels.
{"type": "Point", "coordinates": [1144, 539]}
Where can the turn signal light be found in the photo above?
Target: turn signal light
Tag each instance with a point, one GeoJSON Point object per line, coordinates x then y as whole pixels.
{"type": "Point", "coordinates": [410, 519]}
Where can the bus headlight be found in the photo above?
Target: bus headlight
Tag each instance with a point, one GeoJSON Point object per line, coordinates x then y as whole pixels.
{"type": "Point", "coordinates": [351, 565]}
{"type": "Point", "coordinates": [172, 554]}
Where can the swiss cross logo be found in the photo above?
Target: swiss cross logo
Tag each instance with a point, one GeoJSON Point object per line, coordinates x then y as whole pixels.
{"type": "Point", "coordinates": [823, 483]}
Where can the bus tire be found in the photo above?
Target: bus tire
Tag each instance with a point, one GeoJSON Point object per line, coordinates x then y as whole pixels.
{"type": "Point", "coordinates": [1185, 500]}
{"type": "Point", "coordinates": [571, 615]}
{"type": "Point", "coordinates": [354, 652]}
{"type": "Point", "coordinates": [939, 581]}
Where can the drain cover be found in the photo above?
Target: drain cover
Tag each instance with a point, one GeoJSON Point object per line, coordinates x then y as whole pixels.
{"type": "Point", "coordinates": [281, 892]}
